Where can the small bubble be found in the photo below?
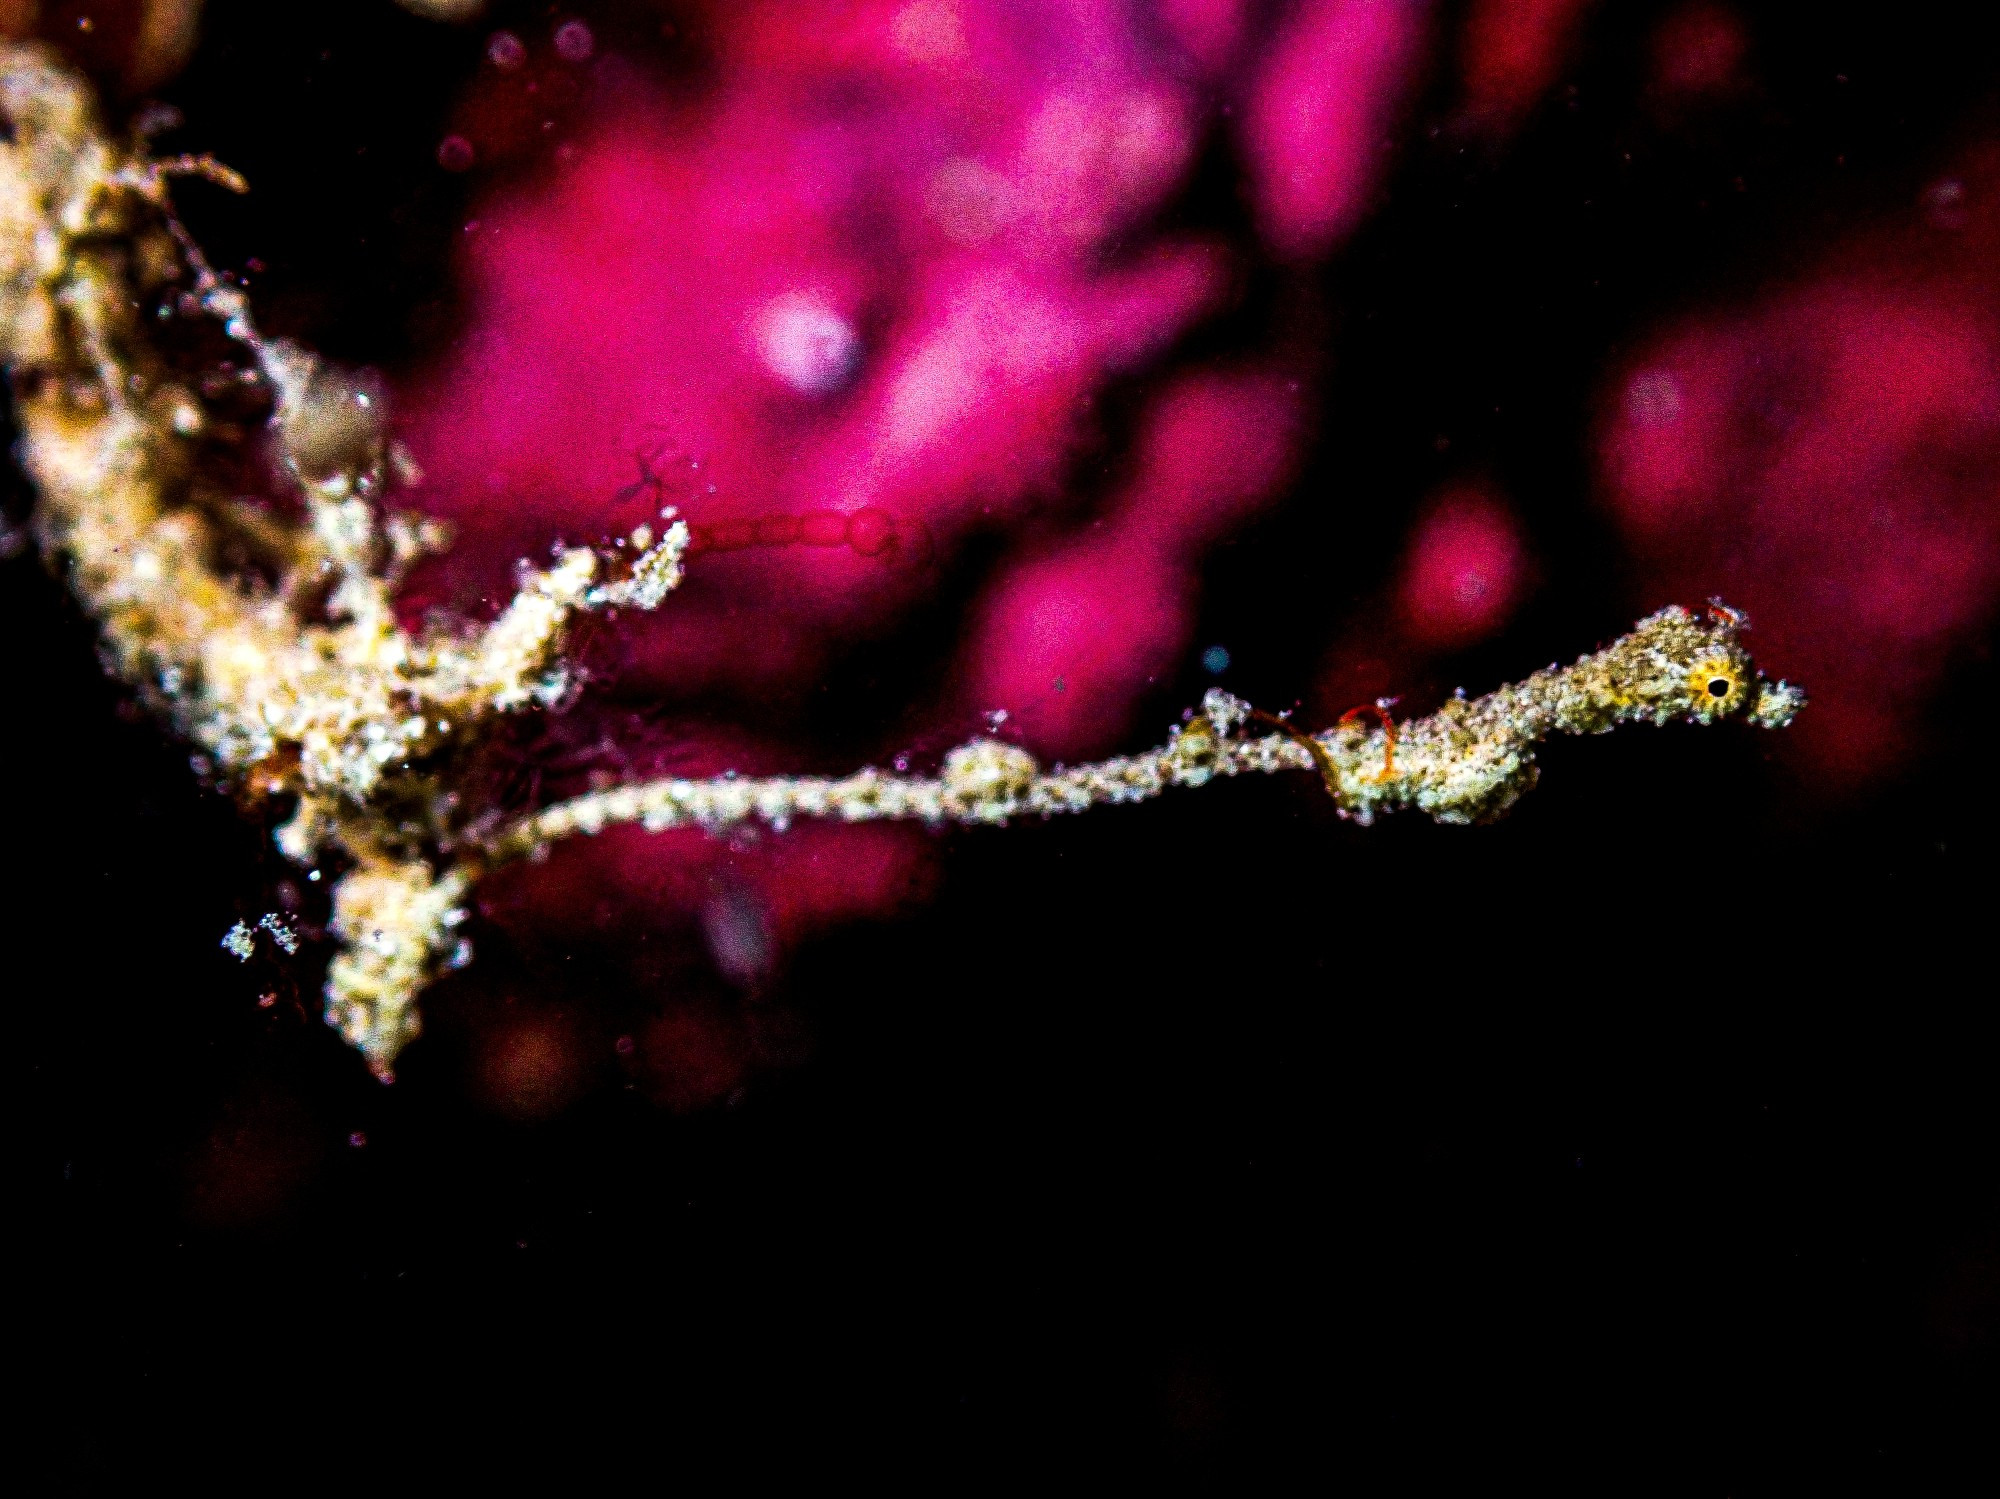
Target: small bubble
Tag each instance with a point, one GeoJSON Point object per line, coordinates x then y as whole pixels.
{"type": "Point", "coordinates": [505, 51]}
{"type": "Point", "coordinates": [455, 153]}
{"type": "Point", "coordinates": [1215, 660]}
{"type": "Point", "coordinates": [574, 43]}
{"type": "Point", "coordinates": [806, 343]}
{"type": "Point", "coordinates": [624, 1046]}
{"type": "Point", "coordinates": [1653, 399]}
{"type": "Point", "coordinates": [357, 1139]}
{"type": "Point", "coordinates": [1945, 205]}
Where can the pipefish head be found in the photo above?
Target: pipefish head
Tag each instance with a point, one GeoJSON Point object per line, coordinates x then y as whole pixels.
{"type": "Point", "coordinates": [1699, 669]}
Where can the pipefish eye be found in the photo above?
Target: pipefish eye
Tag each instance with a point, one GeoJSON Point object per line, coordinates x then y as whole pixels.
{"type": "Point", "coordinates": [1717, 686]}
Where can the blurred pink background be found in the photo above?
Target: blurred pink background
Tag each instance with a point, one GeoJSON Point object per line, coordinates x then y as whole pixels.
{"type": "Point", "coordinates": [886, 258]}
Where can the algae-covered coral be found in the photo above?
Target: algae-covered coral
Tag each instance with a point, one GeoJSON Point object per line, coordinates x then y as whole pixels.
{"type": "Point", "coordinates": [268, 636]}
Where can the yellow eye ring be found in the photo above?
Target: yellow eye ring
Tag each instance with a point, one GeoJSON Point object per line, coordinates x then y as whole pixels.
{"type": "Point", "coordinates": [1716, 686]}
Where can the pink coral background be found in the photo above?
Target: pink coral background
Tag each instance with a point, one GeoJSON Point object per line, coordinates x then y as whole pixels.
{"type": "Point", "coordinates": [888, 256]}
{"type": "Point", "coordinates": [1390, 349]}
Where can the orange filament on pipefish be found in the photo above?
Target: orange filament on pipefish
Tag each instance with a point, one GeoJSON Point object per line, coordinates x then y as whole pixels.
{"type": "Point", "coordinates": [1380, 708]}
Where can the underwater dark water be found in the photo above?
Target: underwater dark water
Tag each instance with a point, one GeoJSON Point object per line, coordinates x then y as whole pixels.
{"type": "Point", "coordinates": [1647, 1140]}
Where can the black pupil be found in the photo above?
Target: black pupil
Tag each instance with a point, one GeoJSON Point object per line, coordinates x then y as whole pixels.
{"type": "Point", "coordinates": [1718, 687]}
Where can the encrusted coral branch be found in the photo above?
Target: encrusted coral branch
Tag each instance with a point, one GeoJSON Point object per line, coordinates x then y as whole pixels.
{"type": "Point", "coordinates": [300, 684]}
{"type": "Point", "coordinates": [295, 681]}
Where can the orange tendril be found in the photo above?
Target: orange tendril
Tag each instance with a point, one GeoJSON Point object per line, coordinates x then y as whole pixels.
{"type": "Point", "coordinates": [1380, 708]}
{"type": "Point", "coordinates": [1322, 761]}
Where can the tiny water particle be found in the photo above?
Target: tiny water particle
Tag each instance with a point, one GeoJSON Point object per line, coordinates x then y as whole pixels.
{"type": "Point", "coordinates": [574, 43]}
{"type": "Point", "coordinates": [1653, 399]}
{"type": "Point", "coordinates": [455, 153]}
{"type": "Point", "coordinates": [506, 51]}
{"type": "Point", "coordinates": [357, 1139]}
{"type": "Point", "coordinates": [805, 342]}
{"type": "Point", "coordinates": [1215, 660]}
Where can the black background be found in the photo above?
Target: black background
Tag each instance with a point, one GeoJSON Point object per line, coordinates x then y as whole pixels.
{"type": "Point", "coordinates": [1647, 1141]}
